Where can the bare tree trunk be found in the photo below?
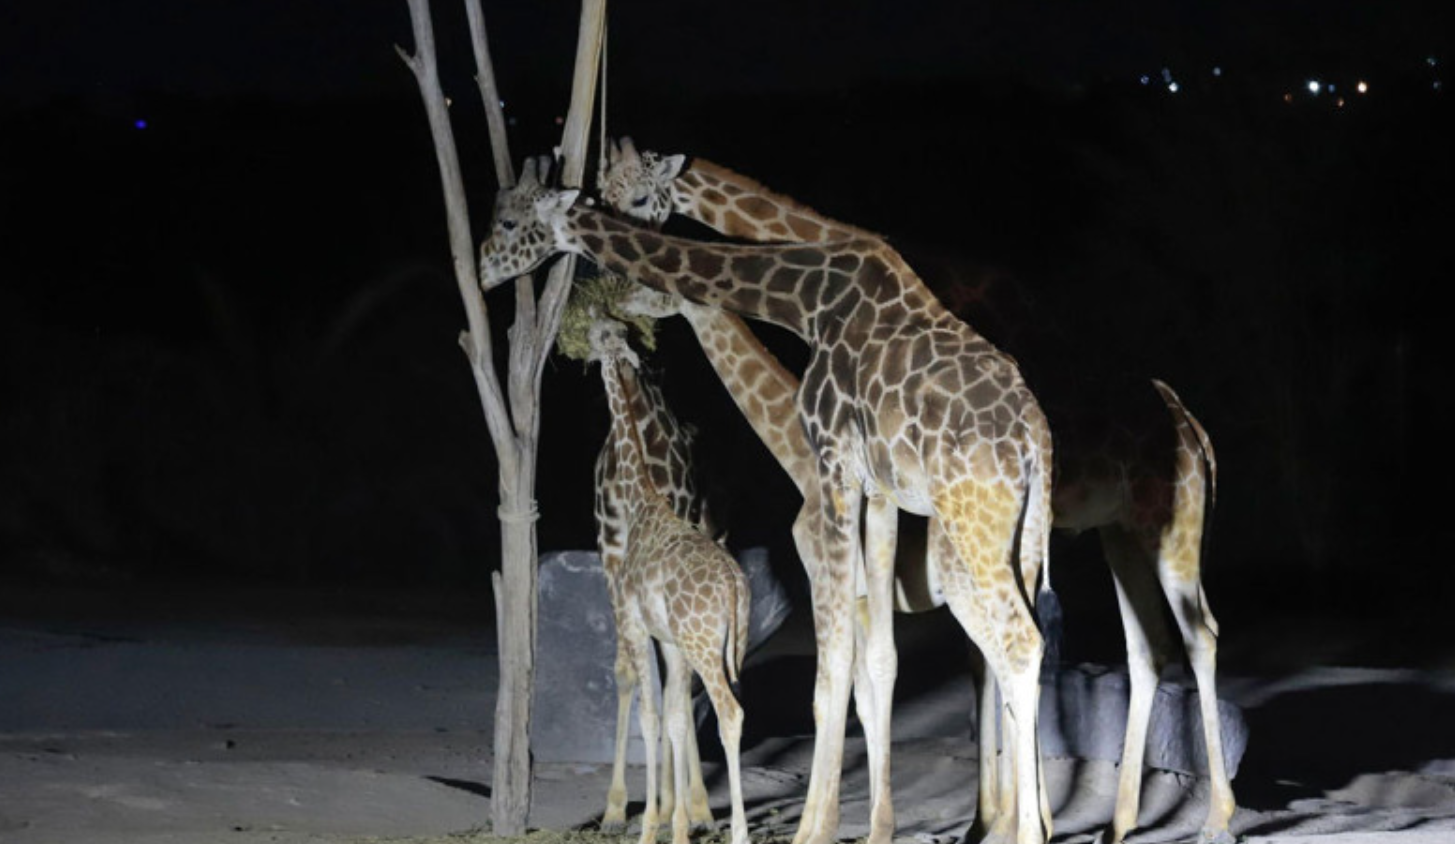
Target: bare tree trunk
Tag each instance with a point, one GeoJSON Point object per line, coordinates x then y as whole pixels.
{"type": "Point", "coordinates": [514, 432]}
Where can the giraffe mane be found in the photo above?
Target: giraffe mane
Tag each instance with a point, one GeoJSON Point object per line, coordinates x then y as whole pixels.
{"type": "Point", "coordinates": [711, 168]}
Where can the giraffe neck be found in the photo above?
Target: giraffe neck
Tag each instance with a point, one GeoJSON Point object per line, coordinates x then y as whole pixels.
{"type": "Point", "coordinates": [738, 206]}
{"type": "Point", "coordinates": [631, 467]}
{"type": "Point", "coordinates": [811, 289]}
{"type": "Point", "coordinates": [759, 384]}
{"type": "Point", "coordinates": [666, 445]}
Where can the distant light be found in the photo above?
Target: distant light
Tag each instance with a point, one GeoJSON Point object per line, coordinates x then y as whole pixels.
{"type": "Point", "coordinates": [1438, 86]}
{"type": "Point", "coordinates": [1362, 87]}
{"type": "Point", "coordinates": [1288, 98]}
{"type": "Point", "coordinates": [1314, 86]}
{"type": "Point", "coordinates": [560, 120]}
{"type": "Point", "coordinates": [1339, 102]}
{"type": "Point", "coordinates": [1166, 74]}
{"type": "Point", "coordinates": [139, 124]}
{"type": "Point", "coordinates": [1331, 87]}
{"type": "Point", "coordinates": [1430, 60]}
{"type": "Point", "coordinates": [1146, 80]}
{"type": "Point", "coordinates": [1172, 86]}
{"type": "Point", "coordinates": [1217, 71]}
{"type": "Point", "coordinates": [449, 101]}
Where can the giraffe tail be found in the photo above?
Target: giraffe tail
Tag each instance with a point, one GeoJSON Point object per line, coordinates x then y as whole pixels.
{"type": "Point", "coordinates": [735, 644]}
{"type": "Point", "coordinates": [1035, 540]}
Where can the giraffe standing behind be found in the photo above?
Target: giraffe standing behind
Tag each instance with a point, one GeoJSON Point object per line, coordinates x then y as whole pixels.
{"type": "Point", "coordinates": [905, 406]}
{"type": "Point", "coordinates": [677, 587]}
{"type": "Point", "coordinates": [667, 447]}
{"type": "Point", "coordinates": [1140, 469]}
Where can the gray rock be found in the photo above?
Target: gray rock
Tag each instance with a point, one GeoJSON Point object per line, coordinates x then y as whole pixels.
{"type": "Point", "coordinates": [1084, 715]}
{"type": "Point", "coordinates": [574, 718]}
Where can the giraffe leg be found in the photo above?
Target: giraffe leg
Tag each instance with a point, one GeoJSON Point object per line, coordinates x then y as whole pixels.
{"type": "Point", "coordinates": [677, 691]}
{"type": "Point", "coordinates": [987, 806]}
{"type": "Point", "coordinates": [1200, 636]}
{"type": "Point", "coordinates": [641, 656]}
{"type": "Point", "coordinates": [698, 809]}
{"type": "Point", "coordinates": [730, 732]}
{"type": "Point", "coordinates": [833, 597]}
{"type": "Point", "coordinates": [1147, 646]}
{"type": "Point", "coordinates": [614, 818]}
{"type": "Point", "coordinates": [980, 520]}
{"type": "Point", "coordinates": [880, 658]}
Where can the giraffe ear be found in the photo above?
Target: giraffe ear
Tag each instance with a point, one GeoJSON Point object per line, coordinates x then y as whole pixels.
{"type": "Point", "coordinates": [628, 149]}
{"type": "Point", "coordinates": [668, 167]}
{"type": "Point", "coordinates": [556, 202]}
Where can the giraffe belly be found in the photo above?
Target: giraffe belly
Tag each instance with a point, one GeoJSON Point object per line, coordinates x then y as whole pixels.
{"type": "Point", "coordinates": [1082, 506]}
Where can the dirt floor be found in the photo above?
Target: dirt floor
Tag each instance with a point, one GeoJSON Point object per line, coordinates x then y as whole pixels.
{"type": "Point", "coordinates": [284, 717]}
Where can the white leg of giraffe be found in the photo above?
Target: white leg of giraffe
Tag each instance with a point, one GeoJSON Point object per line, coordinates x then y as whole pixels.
{"type": "Point", "coordinates": [1199, 629]}
{"type": "Point", "coordinates": [730, 732]}
{"type": "Point", "coordinates": [987, 703]}
{"type": "Point", "coordinates": [698, 809]}
{"type": "Point", "coordinates": [614, 818]}
{"type": "Point", "coordinates": [881, 661]}
{"type": "Point", "coordinates": [640, 648]}
{"type": "Point", "coordinates": [978, 577]}
{"type": "Point", "coordinates": [1147, 646]}
{"type": "Point", "coordinates": [833, 598]}
{"type": "Point", "coordinates": [676, 698]}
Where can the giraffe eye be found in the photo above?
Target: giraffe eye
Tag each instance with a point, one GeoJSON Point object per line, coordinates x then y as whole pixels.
{"type": "Point", "coordinates": [508, 225]}
{"type": "Point", "coordinates": [639, 201]}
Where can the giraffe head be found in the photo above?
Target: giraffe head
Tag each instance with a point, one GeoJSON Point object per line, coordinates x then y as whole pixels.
{"type": "Point", "coordinates": [639, 184]}
{"type": "Point", "coordinates": [608, 342]}
{"type": "Point", "coordinates": [528, 228]}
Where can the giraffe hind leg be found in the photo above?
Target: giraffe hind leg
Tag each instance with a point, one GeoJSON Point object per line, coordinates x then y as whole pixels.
{"type": "Point", "coordinates": [1148, 646]}
{"type": "Point", "coordinates": [978, 575]}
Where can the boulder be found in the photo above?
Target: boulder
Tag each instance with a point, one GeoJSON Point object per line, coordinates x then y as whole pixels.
{"type": "Point", "coordinates": [574, 719]}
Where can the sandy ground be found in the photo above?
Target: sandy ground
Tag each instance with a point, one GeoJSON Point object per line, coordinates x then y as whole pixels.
{"type": "Point", "coordinates": [299, 718]}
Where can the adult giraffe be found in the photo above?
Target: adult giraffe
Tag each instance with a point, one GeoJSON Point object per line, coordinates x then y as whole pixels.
{"type": "Point", "coordinates": [905, 406]}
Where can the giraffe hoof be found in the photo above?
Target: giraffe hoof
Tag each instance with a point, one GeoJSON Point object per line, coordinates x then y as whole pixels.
{"type": "Point", "coordinates": [612, 826]}
{"type": "Point", "coordinates": [1216, 836]}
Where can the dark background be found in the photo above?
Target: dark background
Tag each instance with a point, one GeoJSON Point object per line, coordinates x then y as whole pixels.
{"type": "Point", "coordinates": [228, 318]}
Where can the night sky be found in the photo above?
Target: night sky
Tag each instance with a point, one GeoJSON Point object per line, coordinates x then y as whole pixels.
{"type": "Point", "coordinates": [228, 314]}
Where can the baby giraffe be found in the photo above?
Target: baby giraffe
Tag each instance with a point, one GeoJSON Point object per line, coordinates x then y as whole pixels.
{"type": "Point", "coordinates": [678, 587]}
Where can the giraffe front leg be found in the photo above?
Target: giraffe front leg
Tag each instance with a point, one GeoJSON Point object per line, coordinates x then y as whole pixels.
{"type": "Point", "coordinates": [614, 818]}
{"type": "Point", "coordinates": [881, 660]}
{"type": "Point", "coordinates": [641, 656]}
{"type": "Point", "coordinates": [833, 597]}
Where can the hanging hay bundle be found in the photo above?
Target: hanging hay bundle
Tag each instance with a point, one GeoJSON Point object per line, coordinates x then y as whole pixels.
{"type": "Point", "coordinates": [600, 294]}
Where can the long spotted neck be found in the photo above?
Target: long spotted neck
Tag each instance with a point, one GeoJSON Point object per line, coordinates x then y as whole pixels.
{"type": "Point", "coordinates": [738, 206]}
{"type": "Point", "coordinates": [763, 389]}
{"type": "Point", "coordinates": [666, 444]}
{"type": "Point", "coordinates": [784, 285]}
{"type": "Point", "coordinates": [631, 467]}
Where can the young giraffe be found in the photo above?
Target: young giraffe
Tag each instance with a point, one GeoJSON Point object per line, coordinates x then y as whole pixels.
{"type": "Point", "coordinates": [675, 586]}
{"type": "Point", "coordinates": [1137, 469]}
{"type": "Point", "coordinates": [905, 406]}
{"type": "Point", "coordinates": [667, 453]}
